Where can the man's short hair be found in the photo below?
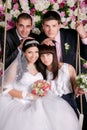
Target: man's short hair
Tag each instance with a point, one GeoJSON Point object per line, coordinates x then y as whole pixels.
{"type": "Point", "coordinates": [51, 15]}
{"type": "Point", "coordinates": [24, 16]}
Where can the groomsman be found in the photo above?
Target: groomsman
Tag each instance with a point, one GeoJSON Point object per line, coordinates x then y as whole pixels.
{"type": "Point", "coordinates": [15, 36]}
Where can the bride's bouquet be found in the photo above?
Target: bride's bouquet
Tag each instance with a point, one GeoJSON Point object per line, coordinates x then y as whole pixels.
{"type": "Point", "coordinates": [40, 87]}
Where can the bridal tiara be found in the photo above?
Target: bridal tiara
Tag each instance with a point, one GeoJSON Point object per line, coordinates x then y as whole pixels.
{"type": "Point", "coordinates": [31, 42]}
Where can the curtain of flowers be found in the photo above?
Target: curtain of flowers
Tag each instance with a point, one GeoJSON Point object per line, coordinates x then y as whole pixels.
{"type": "Point", "coordinates": [66, 8]}
{"type": "Point", "coordinates": [36, 8]}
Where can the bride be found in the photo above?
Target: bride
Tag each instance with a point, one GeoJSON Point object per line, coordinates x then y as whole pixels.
{"type": "Point", "coordinates": [20, 109]}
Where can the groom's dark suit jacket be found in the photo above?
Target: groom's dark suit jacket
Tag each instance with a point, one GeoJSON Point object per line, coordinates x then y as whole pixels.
{"type": "Point", "coordinates": [12, 43]}
{"type": "Point", "coordinates": [69, 36]}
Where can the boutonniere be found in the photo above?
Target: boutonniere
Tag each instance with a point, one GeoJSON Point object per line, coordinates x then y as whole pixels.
{"type": "Point", "coordinates": [67, 47]}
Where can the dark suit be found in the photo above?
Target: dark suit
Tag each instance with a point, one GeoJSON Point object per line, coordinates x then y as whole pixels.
{"type": "Point", "coordinates": [70, 36]}
{"type": "Point", "coordinates": [12, 43]}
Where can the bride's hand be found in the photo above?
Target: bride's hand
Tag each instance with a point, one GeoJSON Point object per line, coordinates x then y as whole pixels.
{"type": "Point", "coordinates": [35, 97]}
{"type": "Point", "coordinates": [31, 96]}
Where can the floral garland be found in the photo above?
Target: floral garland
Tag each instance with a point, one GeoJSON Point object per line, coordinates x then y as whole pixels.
{"type": "Point", "coordinates": [66, 8]}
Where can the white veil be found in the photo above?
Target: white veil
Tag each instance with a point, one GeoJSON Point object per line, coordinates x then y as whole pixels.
{"type": "Point", "coordinates": [14, 72]}
{"type": "Point", "coordinates": [18, 67]}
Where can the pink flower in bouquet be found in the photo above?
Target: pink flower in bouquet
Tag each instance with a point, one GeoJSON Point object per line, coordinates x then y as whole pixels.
{"type": "Point", "coordinates": [40, 87]}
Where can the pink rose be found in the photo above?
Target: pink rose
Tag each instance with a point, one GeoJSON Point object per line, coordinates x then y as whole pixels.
{"type": "Point", "coordinates": [16, 6]}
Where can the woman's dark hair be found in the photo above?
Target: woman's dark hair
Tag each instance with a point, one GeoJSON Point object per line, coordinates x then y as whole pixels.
{"type": "Point", "coordinates": [44, 49]}
{"type": "Point", "coordinates": [29, 43]}
{"type": "Point", "coordinates": [51, 15]}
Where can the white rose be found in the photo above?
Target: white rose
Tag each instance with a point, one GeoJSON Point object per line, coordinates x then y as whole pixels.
{"type": "Point", "coordinates": [55, 6]}
{"type": "Point", "coordinates": [2, 23]}
{"type": "Point", "coordinates": [24, 5]}
{"type": "Point", "coordinates": [73, 24]}
{"type": "Point", "coordinates": [9, 4]}
{"type": "Point", "coordinates": [70, 12]}
{"type": "Point", "coordinates": [63, 19]}
{"type": "Point", "coordinates": [15, 13]}
{"type": "Point", "coordinates": [59, 1]}
{"type": "Point", "coordinates": [83, 16]}
{"type": "Point", "coordinates": [70, 3]}
{"type": "Point", "coordinates": [39, 6]}
{"type": "Point", "coordinates": [36, 18]}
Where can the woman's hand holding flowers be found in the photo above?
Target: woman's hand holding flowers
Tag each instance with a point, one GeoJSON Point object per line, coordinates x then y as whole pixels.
{"type": "Point", "coordinates": [78, 91]}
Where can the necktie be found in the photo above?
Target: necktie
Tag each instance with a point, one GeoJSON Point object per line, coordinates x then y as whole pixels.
{"type": "Point", "coordinates": [58, 50]}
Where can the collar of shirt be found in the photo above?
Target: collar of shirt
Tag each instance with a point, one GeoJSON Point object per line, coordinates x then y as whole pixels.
{"type": "Point", "coordinates": [20, 38]}
{"type": "Point", "coordinates": [57, 38]}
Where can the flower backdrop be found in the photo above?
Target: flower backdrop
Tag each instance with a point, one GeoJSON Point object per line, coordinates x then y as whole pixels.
{"type": "Point", "coordinates": [66, 8]}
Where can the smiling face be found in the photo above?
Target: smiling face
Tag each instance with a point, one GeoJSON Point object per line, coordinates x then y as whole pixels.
{"type": "Point", "coordinates": [24, 27]}
{"type": "Point", "coordinates": [51, 28]}
{"type": "Point", "coordinates": [32, 54]}
{"type": "Point", "coordinates": [47, 59]}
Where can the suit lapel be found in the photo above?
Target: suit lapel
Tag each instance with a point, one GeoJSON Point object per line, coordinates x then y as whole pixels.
{"type": "Point", "coordinates": [17, 41]}
{"type": "Point", "coordinates": [62, 44]}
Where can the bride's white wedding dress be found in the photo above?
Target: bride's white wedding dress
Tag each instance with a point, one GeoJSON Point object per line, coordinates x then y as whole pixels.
{"type": "Point", "coordinates": [45, 113]}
